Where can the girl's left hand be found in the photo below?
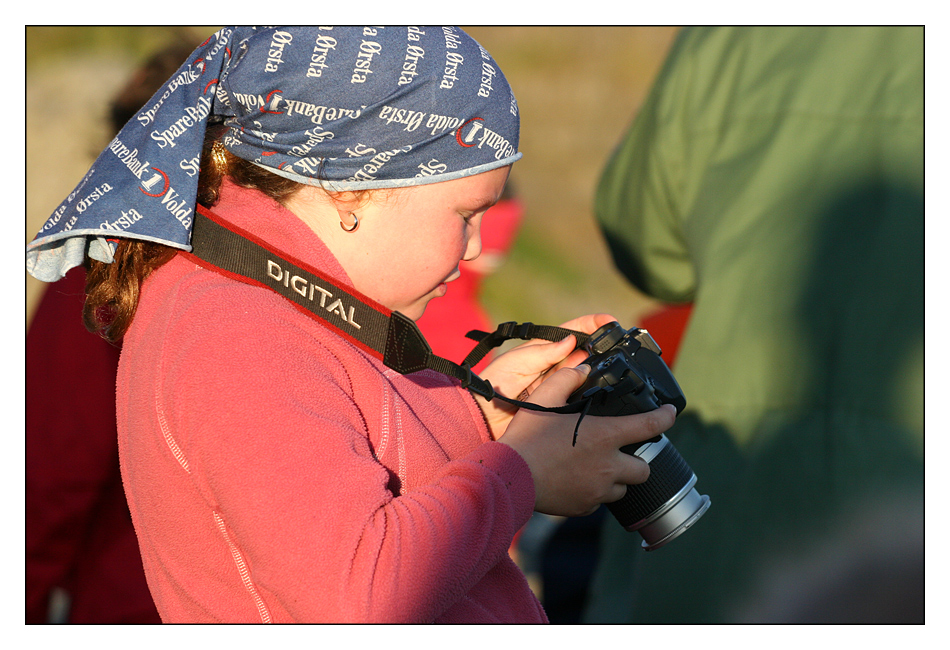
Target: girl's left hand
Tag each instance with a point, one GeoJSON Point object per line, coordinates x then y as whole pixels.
{"type": "Point", "coordinates": [519, 371]}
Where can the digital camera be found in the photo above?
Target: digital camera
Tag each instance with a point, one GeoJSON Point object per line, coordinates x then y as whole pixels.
{"type": "Point", "coordinates": [628, 376]}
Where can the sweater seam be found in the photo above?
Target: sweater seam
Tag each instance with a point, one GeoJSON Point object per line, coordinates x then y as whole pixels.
{"type": "Point", "coordinates": [170, 440]}
{"type": "Point", "coordinates": [242, 568]}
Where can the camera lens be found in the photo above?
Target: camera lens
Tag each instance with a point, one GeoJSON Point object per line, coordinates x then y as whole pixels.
{"type": "Point", "coordinates": [628, 376]}
{"type": "Point", "coordinates": [667, 504]}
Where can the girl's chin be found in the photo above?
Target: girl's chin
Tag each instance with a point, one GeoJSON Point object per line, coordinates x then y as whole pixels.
{"type": "Point", "coordinates": [417, 309]}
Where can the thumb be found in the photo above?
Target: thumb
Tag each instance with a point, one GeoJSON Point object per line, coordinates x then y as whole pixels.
{"type": "Point", "coordinates": [560, 385]}
{"type": "Point", "coordinates": [552, 353]}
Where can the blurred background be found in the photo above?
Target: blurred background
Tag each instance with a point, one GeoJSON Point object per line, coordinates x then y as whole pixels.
{"type": "Point", "coordinates": [578, 88]}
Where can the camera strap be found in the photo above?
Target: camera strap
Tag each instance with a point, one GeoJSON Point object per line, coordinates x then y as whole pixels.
{"type": "Point", "coordinates": [385, 334]}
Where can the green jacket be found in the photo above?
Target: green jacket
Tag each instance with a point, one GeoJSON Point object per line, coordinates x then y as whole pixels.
{"type": "Point", "coordinates": [774, 179]}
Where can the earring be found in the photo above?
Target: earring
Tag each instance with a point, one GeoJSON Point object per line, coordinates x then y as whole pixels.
{"type": "Point", "coordinates": [356, 223]}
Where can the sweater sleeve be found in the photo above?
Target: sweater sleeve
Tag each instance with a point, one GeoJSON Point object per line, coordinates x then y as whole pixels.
{"type": "Point", "coordinates": [280, 451]}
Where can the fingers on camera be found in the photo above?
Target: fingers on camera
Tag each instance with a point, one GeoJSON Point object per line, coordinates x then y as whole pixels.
{"type": "Point", "coordinates": [642, 426]}
{"type": "Point", "coordinates": [637, 472]}
{"type": "Point", "coordinates": [666, 416]}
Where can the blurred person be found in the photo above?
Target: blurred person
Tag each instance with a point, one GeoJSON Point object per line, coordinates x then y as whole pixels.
{"type": "Point", "coordinates": [773, 180]}
{"type": "Point", "coordinates": [82, 559]}
{"type": "Point", "coordinates": [278, 465]}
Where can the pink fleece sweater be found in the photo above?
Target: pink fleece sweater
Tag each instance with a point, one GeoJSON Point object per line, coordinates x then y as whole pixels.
{"type": "Point", "coordinates": [277, 473]}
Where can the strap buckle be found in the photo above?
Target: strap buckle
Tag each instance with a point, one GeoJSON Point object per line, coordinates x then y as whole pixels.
{"type": "Point", "coordinates": [481, 386]}
{"type": "Point", "coordinates": [514, 330]}
{"type": "Point", "coordinates": [524, 332]}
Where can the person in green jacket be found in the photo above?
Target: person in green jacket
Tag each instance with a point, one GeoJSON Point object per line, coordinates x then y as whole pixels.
{"type": "Point", "coordinates": [774, 180]}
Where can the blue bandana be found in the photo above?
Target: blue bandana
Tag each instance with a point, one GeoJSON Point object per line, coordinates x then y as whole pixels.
{"type": "Point", "coordinates": [343, 108]}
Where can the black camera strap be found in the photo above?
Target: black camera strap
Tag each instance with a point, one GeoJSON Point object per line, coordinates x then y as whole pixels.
{"type": "Point", "coordinates": [385, 334]}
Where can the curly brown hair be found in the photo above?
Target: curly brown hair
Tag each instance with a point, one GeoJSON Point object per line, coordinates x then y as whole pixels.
{"type": "Point", "coordinates": [112, 290]}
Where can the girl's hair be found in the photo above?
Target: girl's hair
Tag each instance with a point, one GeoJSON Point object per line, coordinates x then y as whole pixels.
{"type": "Point", "coordinates": [112, 290]}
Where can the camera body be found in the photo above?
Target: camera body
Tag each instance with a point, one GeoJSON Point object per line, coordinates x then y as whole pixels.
{"type": "Point", "coordinates": [628, 376]}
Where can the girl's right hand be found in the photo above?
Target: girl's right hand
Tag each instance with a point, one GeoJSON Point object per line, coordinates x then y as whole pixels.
{"type": "Point", "coordinates": [574, 480]}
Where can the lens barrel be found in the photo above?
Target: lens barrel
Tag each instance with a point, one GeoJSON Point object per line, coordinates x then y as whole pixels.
{"type": "Point", "coordinates": [667, 504]}
{"type": "Point", "coordinates": [628, 376]}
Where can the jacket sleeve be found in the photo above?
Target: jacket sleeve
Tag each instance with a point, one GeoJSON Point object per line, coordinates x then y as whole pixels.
{"type": "Point", "coordinates": [280, 451]}
{"type": "Point", "coordinates": [642, 196]}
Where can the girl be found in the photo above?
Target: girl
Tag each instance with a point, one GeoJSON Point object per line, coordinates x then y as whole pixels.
{"type": "Point", "coordinates": [275, 470]}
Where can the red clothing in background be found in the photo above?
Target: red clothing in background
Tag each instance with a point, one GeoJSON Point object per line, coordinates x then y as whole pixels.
{"type": "Point", "coordinates": [667, 327]}
{"type": "Point", "coordinates": [79, 536]}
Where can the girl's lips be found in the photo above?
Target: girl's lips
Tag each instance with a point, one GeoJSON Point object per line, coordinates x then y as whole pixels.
{"type": "Point", "coordinates": [443, 288]}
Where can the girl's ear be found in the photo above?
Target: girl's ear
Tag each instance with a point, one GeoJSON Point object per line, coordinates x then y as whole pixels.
{"type": "Point", "coordinates": [343, 202]}
{"type": "Point", "coordinates": [347, 202]}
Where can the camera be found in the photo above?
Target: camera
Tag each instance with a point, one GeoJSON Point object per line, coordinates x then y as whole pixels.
{"type": "Point", "coordinates": [628, 376]}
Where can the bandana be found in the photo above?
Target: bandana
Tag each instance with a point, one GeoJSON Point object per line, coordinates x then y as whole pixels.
{"type": "Point", "coordinates": [343, 108]}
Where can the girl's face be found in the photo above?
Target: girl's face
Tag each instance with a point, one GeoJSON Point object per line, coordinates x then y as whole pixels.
{"type": "Point", "coordinates": [411, 240]}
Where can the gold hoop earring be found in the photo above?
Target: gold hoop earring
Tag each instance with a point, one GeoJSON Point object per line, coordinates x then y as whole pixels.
{"type": "Point", "coordinates": [356, 223]}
